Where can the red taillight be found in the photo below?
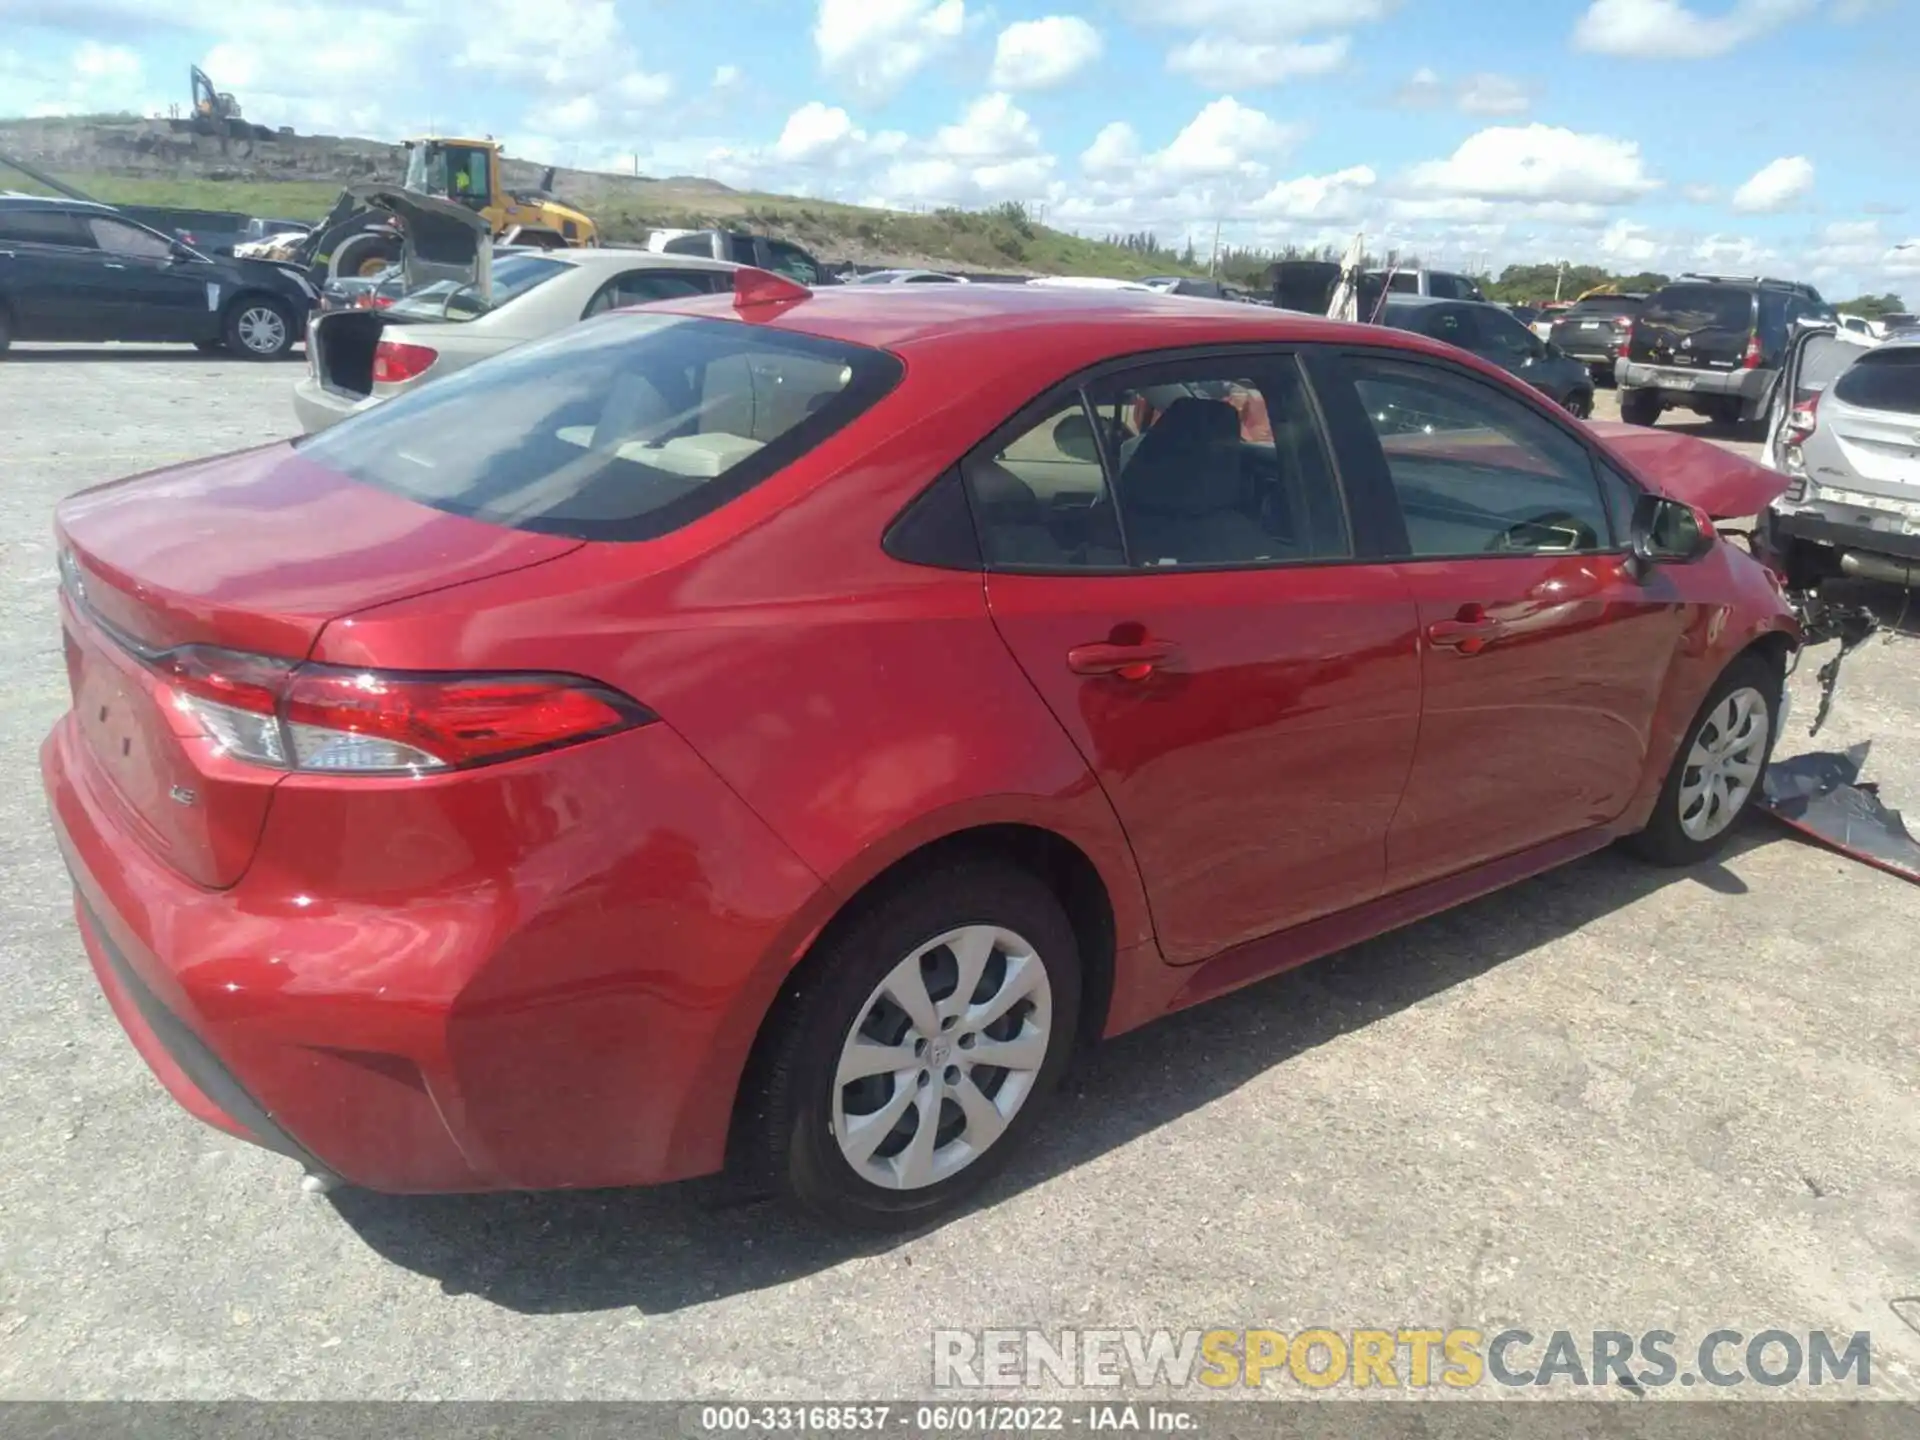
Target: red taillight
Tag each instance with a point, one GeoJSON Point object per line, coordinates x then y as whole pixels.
{"type": "Point", "coordinates": [333, 719]}
{"type": "Point", "coordinates": [1751, 360]}
{"type": "Point", "coordinates": [1804, 420]}
{"type": "Point", "coordinates": [396, 360]}
{"type": "Point", "coordinates": [1626, 340]}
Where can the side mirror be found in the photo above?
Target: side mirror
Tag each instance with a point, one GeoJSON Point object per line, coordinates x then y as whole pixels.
{"type": "Point", "coordinates": [1666, 532]}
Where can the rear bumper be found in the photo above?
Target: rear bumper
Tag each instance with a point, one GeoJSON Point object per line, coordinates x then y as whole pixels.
{"type": "Point", "coordinates": [1678, 385]}
{"type": "Point", "coordinates": [316, 407]}
{"type": "Point", "coordinates": [1846, 527]}
{"type": "Point", "coordinates": [518, 983]}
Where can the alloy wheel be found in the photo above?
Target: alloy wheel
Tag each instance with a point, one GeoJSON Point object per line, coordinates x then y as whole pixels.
{"type": "Point", "coordinates": [942, 1055]}
{"type": "Point", "coordinates": [1723, 766]}
{"type": "Point", "coordinates": [262, 330]}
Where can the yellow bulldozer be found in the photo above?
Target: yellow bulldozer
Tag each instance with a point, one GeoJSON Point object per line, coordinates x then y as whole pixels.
{"type": "Point", "coordinates": [354, 240]}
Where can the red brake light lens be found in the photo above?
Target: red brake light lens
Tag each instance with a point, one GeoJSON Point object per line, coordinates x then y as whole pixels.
{"type": "Point", "coordinates": [1751, 360]}
{"type": "Point", "coordinates": [338, 720]}
{"type": "Point", "coordinates": [1804, 420]}
{"type": "Point", "coordinates": [396, 360]}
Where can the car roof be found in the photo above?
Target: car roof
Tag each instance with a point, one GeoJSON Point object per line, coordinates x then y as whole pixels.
{"type": "Point", "coordinates": [32, 202]}
{"type": "Point", "coordinates": [590, 257]}
{"type": "Point", "coordinates": [1071, 327]}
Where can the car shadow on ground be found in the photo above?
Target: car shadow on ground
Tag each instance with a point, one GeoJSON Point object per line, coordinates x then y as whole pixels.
{"type": "Point", "coordinates": [664, 1249]}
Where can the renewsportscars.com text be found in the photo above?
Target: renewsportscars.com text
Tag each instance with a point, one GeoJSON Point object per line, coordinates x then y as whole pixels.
{"type": "Point", "coordinates": [1400, 1358]}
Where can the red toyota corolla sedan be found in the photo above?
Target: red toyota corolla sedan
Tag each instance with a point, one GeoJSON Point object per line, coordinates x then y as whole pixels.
{"type": "Point", "coordinates": [776, 728]}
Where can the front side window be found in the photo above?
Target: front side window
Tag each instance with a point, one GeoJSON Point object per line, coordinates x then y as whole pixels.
{"type": "Point", "coordinates": [1477, 472]}
{"type": "Point", "coordinates": [117, 237]}
{"type": "Point", "coordinates": [1502, 335]}
{"type": "Point", "coordinates": [1449, 323]}
{"type": "Point", "coordinates": [623, 428]}
{"type": "Point", "coordinates": [1219, 463]}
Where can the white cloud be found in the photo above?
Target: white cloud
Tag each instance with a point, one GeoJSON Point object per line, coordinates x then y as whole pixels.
{"type": "Point", "coordinates": [1114, 151]}
{"type": "Point", "coordinates": [1626, 242]}
{"type": "Point", "coordinates": [1669, 30]}
{"type": "Point", "coordinates": [875, 46]}
{"type": "Point", "coordinates": [1491, 94]}
{"type": "Point", "coordinates": [1537, 163]}
{"type": "Point", "coordinates": [96, 78]}
{"type": "Point", "coordinates": [1340, 197]}
{"type": "Point", "coordinates": [1701, 194]}
{"type": "Point", "coordinates": [1227, 138]}
{"type": "Point", "coordinates": [114, 64]}
{"type": "Point", "coordinates": [1776, 186]}
{"type": "Point", "coordinates": [1485, 93]}
{"type": "Point", "coordinates": [992, 128]}
{"type": "Point", "coordinates": [817, 132]}
{"type": "Point", "coordinates": [1039, 54]}
{"type": "Point", "coordinates": [1262, 19]}
{"type": "Point", "coordinates": [726, 77]}
{"type": "Point", "coordinates": [1224, 62]}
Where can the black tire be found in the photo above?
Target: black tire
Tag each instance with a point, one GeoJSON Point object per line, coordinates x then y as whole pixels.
{"type": "Point", "coordinates": [794, 1145]}
{"type": "Point", "coordinates": [1640, 407]}
{"type": "Point", "coordinates": [1602, 376]}
{"type": "Point", "coordinates": [260, 327]}
{"type": "Point", "coordinates": [1665, 841]}
{"type": "Point", "coordinates": [362, 255]}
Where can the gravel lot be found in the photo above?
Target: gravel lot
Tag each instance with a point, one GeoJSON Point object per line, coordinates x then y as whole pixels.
{"type": "Point", "coordinates": [1609, 1098]}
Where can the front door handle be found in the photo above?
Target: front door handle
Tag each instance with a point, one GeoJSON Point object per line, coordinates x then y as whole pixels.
{"type": "Point", "coordinates": [1128, 662]}
{"type": "Point", "coordinates": [115, 265]}
{"type": "Point", "coordinates": [1469, 632]}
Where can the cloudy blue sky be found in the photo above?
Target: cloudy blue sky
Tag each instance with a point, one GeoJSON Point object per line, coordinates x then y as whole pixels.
{"type": "Point", "coordinates": [1659, 133]}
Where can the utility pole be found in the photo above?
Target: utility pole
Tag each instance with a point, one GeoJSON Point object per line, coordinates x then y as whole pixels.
{"type": "Point", "coordinates": [1213, 263]}
{"type": "Point", "coordinates": [1559, 277]}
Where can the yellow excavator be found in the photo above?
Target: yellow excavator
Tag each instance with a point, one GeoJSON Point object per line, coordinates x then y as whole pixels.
{"type": "Point", "coordinates": [355, 240]}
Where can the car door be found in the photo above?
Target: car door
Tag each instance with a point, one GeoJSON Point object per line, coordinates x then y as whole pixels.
{"type": "Point", "coordinates": [45, 257]}
{"type": "Point", "coordinates": [1172, 562]}
{"type": "Point", "coordinates": [1542, 657]}
{"type": "Point", "coordinates": [138, 291]}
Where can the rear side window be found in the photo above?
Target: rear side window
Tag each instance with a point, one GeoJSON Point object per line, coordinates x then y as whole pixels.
{"type": "Point", "coordinates": [642, 287]}
{"type": "Point", "coordinates": [622, 428]}
{"type": "Point", "coordinates": [697, 243]}
{"type": "Point", "coordinates": [1700, 307]}
{"type": "Point", "coordinates": [1883, 380]}
{"type": "Point", "coordinates": [513, 276]}
{"type": "Point", "coordinates": [43, 227]}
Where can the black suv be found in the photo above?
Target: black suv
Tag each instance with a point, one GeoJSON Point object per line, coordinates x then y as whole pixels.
{"type": "Point", "coordinates": [1593, 331]}
{"type": "Point", "coordinates": [1712, 344]}
{"type": "Point", "coordinates": [78, 271]}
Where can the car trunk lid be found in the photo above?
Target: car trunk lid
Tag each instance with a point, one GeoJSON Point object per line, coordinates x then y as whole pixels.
{"type": "Point", "coordinates": [1702, 327]}
{"type": "Point", "coordinates": [1696, 472]}
{"type": "Point", "coordinates": [1873, 416]}
{"type": "Point", "coordinates": [252, 553]}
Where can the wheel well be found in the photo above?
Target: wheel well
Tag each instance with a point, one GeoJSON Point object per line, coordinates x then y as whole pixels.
{"type": "Point", "coordinates": [1057, 861]}
{"type": "Point", "coordinates": [1774, 648]}
{"type": "Point", "coordinates": [241, 297]}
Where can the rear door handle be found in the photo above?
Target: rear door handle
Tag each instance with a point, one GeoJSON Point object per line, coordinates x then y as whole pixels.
{"type": "Point", "coordinates": [115, 265]}
{"type": "Point", "coordinates": [1128, 662]}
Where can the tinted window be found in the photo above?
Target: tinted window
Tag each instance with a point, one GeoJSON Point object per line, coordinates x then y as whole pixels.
{"type": "Point", "coordinates": [1041, 499]}
{"type": "Point", "coordinates": [622, 428]}
{"type": "Point", "coordinates": [1478, 473]}
{"type": "Point", "coordinates": [1607, 305]}
{"type": "Point", "coordinates": [695, 244]}
{"type": "Point", "coordinates": [1502, 335]}
{"type": "Point", "coordinates": [117, 237]}
{"type": "Point", "coordinates": [1404, 282]}
{"type": "Point", "coordinates": [1442, 322]}
{"type": "Point", "coordinates": [793, 262]}
{"type": "Point", "coordinates": [1700, 307]}
{"type": "Point", "coordinates": [640, 287]}
{"type": "Point", "coordinates": [43, 227]}
{"type": "Point", "coordinates": [1883, 380]}
{"type": "Point", "coordinates": [1219, 463]}
{"type": "Point", "coordinates": [512, 277]}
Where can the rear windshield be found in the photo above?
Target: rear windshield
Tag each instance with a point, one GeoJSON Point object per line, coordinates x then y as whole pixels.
{"type": "Point", "coordinates": [513, 276]}
{"type": "Point", "coordinates": [623, 428]}
{"type": "Point", "coordinates": [1883, 380]}
{"type": "Point", "coordinates": [1606, 305]}
{"type": "Point", "coordinates": [1700, 307]}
